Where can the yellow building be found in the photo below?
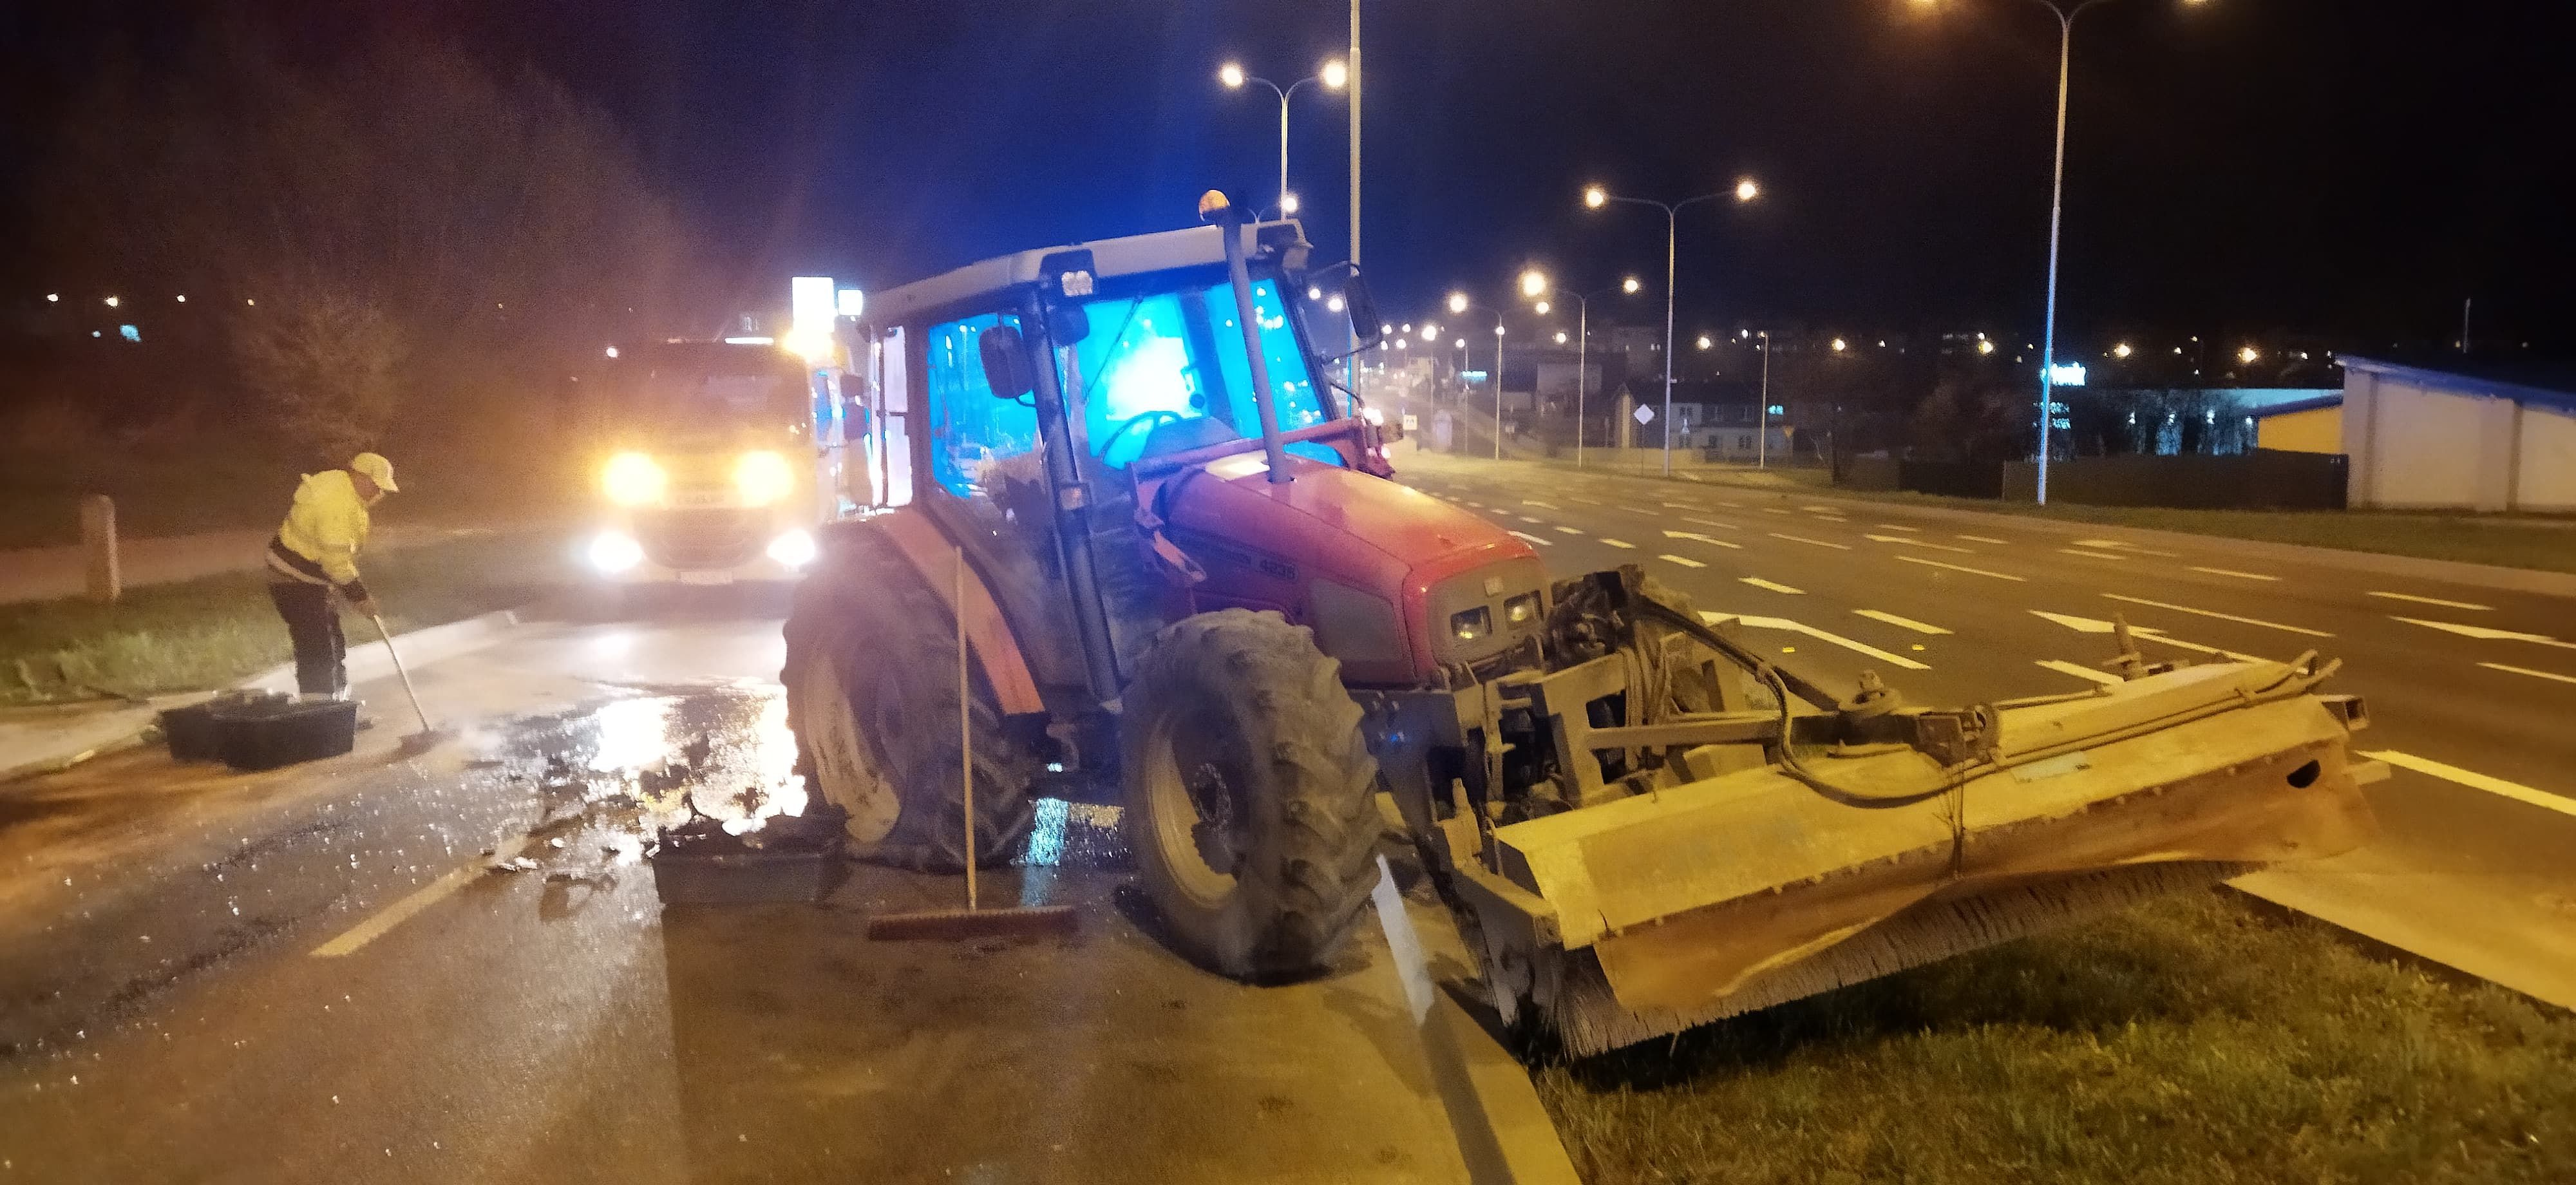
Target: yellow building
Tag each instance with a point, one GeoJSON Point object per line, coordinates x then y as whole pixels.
{"type": "Point", "coordinates": [2303, 426]}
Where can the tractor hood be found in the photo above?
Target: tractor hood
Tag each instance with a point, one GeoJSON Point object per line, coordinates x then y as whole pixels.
{"type": "Point", "coordinates": [1367, 562]}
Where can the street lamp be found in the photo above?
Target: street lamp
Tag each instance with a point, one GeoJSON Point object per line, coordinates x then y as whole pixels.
{"type": "Point", "coordinates": [1704, 342]}
{"type": "Point", "coordinates": [2065, 11]}
{"type": "Point", "coordinates": [1762, 439]}
{"type": "Point", "coordinates": [2248, 355]}
{"type": "Point", "coordinates": [1596, 197]}
{"type": "Point", "coordinates": [2121, 351]}
{"type": "Point", "coordinates": [1333, 76]}
{"type": "Point", "coordinates": [1458, 303]}
{"type": "Point", "coordinates": [1535, 283]}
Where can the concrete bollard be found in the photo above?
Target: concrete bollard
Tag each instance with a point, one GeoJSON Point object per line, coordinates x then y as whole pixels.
{"type": "Point", "coordinates": [98, 538]}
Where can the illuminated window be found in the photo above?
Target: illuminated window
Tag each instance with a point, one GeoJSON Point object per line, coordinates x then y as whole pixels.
{"type": "Point", "coordinates": [1144, 366]}
{"type": "Point", "coordinates": [977, 440]}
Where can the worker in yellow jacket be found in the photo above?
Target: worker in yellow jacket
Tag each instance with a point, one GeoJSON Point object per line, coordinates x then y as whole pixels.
{"type": "Point", "coordinates": [314, 555]}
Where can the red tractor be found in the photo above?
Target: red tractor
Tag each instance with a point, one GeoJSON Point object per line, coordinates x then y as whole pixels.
{"type": "Point", "coordinates": [1187, 576]}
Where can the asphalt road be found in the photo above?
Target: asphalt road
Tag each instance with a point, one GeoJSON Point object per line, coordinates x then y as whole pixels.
{"type": "Point", "coordinates": [315, 975]}
{"type": "Point", "coordinates": [2472, 691]}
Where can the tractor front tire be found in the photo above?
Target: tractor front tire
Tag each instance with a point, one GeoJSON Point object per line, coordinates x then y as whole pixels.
{"type": "Point", "coordinates": [1249, 787]}
{"type": "Point", "coordinates": [871, 681]}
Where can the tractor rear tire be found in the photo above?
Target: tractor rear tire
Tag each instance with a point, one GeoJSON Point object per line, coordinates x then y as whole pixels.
{"type": "Point", "coordinates": [871, 680]}
{"type": "Point", "coordinates": [1249, 793]}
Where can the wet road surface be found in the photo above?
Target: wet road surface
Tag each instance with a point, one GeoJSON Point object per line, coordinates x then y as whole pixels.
{"type": "Point", "coordinates": [320, 975]}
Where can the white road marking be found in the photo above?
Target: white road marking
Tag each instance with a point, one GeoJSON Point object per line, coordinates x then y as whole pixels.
{"type": "Point", "coordinates": [2487, 633]}
{"type": "Point", "coordinates": [1524, 502]}
{"type": "Point", "coordinates": [2095, 625]}
{"type": "Point", "coordinates": [1524, 535]}
{"type": "Point", "coordinates": [1696, 537]}
{"type": "Point", "coordinates": [1523, 517]}
{"type": "Point", "coordinates": [1773, 510]}
{"type": "Point", "coordinates": [2123, 545]}
{"type": "Point", "coordinates": [1812, 509]}
{"type": "Point", "coordinates": [1710, 522]}
{"type": "Point", "coordinates": [1783, 623]}
{"type": "Point", "coordinates": [422, 898]}
{"type": "Point", "coordinates": [2219, 572]}
{"type": "Point", "coordinates": [1585, 501]}
{"type": "Point", "coordinates": [1919, 543]}
{"type": "Point", "coordinates": [1916, 559]}
{"type": "Point", "coordinates": [1619, 543]}
{"type": "Point", "coordinates": [2435, 601]}
{"type": "Point", "coordinates": [2475, 781]}
{"type": "Point", "coordinates": [2269, 625]}
{"type": "Point", "coordinates": [1667, 505]}
{"type": "Point", "coordinates": [1881, 526]}
{"type": "Point", "coordinates": [1477, 505]}
{"type": "Point", "coordinates": [1903, 623]}
{"type": "Point", "coordinates": [1987, 539]}
{"type": "Point", "coordinates": [1683, 561]}
{"type": "Point", "coordinates": [2080, 672]}
{"type": "Point", "coordinates": [1731, 505]}
{"type": "Point", "coordinates": [1816, 542]}
{"type": "Point", "coordinates": [1758, 582]}
{"type": "Point", "coordinates": [1560, 530]}
{"type": "Point", "coordinates": [2497, 666]}
{"type": "Point", "coordinates": [2091, 555]}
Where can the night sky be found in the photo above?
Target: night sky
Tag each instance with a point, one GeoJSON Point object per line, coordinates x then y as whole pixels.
{"type": "Point", "coordinates": [2349, 169]}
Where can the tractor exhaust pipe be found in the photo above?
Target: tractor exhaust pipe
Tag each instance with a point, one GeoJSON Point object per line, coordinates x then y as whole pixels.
{"type": "Point", "coordinates": [1213, 207]}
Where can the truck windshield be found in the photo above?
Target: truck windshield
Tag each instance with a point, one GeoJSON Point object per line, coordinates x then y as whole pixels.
{"type": "Point", "coordinates": [700, 389]}
{"type": "Point", "coordinates": [1176, 358]}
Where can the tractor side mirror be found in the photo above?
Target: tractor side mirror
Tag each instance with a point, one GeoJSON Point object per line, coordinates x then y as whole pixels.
{"type": "Point", "coordinates": [1006, 362]}
{"type": "Point", "coordinates": [1363, 310]}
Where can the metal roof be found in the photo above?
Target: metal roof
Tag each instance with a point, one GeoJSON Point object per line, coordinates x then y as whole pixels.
{"type": "Point", "coordinates": [2549, 384]}
{"type": "Point", "coordinates": [1131, 255]}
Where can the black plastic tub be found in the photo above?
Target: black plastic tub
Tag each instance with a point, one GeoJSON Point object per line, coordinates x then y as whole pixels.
{"type": "Point", "coordinates": [270, 735]}
{"type": "Point", "coordinates": [792, 860]}
{"type": "Point", "coordinates": [190, 731]}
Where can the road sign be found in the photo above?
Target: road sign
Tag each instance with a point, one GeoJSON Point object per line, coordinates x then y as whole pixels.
{"type": "Point", "coordinates": [1412, 422]}
{"type": "Point", "coordinates": [1645, 414]}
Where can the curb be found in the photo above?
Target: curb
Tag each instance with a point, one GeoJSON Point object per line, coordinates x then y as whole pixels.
{"type": "Point", "coordinates": [126, 728]}
{"type": "Point", "coordinates": [2487, 576]}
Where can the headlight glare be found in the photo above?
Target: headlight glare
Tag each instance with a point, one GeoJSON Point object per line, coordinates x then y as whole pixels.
{"type": "Point", "coordinates": [762, 477]}
{"type": "Point", "coordinates": [633, 479]}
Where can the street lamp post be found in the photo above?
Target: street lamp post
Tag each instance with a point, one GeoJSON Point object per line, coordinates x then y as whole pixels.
{"type": "Point", "coordinates": [1331, 77]}
{"type": "Point", "coordinates": [1534, 283]}
{"type": "Point", "coordinates": [1762, 441]}
{"type": "Point", "coordinates": [2065, 14]}
{"type": "Point", "coordinates": [1596, 197]}
{"type": "Point", "coordinates": [1458, 303]}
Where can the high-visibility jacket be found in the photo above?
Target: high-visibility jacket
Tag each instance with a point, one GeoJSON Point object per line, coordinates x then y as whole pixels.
{"type": "Point", "coordinates": [319, 541]}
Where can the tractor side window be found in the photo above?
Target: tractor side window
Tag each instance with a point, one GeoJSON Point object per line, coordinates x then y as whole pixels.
{"type": "Point", "coordinates": [1177, 358]}
{"type": "Point", "coordinates": [982, 449]}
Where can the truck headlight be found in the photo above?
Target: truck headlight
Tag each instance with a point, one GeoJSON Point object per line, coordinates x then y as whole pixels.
{"type": "Point", "coordinates": [795, 549]}
{"type": "Point", "coordinates": [612, 552]}
{"type": "Point", "coordinates": [633, 479]}
{"type": "Point", "coordinates": [762, 477]}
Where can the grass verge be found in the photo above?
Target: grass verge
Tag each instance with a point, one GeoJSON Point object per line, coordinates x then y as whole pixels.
{"type": "Point", "coordinates": [2190, 1040]}
{"type": "Point", "coordinates": [209, 632]}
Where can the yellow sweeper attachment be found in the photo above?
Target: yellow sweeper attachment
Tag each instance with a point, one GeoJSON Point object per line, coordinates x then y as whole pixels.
{"type": "Point", "coordinates": [1838, 860]}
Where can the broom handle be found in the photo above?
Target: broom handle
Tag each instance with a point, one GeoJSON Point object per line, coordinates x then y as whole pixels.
{"type": "Point", "coordinates": [965, 732]}
{"type": "Point", "coordinates": [396, 655]}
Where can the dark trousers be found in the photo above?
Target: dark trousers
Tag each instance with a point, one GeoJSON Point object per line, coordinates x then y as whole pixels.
{"type": "Point", "coordinates": [321, 651]}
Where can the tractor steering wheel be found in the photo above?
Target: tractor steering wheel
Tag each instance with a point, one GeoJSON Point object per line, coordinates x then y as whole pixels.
{"type": "Point", "coordinates": [1150, 419]}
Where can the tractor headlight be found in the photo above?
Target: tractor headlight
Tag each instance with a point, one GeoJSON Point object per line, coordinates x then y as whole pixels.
{"type": "Point", "coordinates": [1471, 624]}
{"type": "Point", "coordinates": [633, 479]}
{"type": "Point", "coordinates": [1521, 610]}
{"type": "Point", "coordinates": [762, 477]}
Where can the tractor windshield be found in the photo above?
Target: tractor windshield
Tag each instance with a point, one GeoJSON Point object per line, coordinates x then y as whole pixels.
{"type": "Point", "coordinates": [1165, 371]}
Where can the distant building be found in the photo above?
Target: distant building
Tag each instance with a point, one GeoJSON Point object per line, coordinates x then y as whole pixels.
{"type": "Point", "coordinates": [2311, 425]}
{"type": "Point", "coordinates": [2459, 432]}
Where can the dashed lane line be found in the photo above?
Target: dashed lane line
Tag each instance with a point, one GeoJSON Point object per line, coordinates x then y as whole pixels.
{"type": "Point", "coordinates": [1916, 559]}
{"type": "Point", "coordinates": [2475, 780]}
{"type": "Point", "coordinates": [1560, 530]}
{"type": "Point", "coordinates": [2233, 572]}
{"type": "Point", "coordinates": [1903, 623]}
{"type": "Point", "coordinates": [2497, 666]}
{"type": "Point", "coordinates": [1585, 501]}
{"type": "Point", "coordinates": [1527, 519]}
{"type": "Point", "coordinates": [1900, 539]}
{"type": "Point", "coordinates": [1899, 527]}
{"type": "Point", "coordinates": [2081, 672]}
{"type": "Point", "coordinates": [1987, 539]}
{"type": "Point", "coordinates": [1682, 560]}
{"type": "Point", "coordinates": [2091, 555]}
{"type": "Point", "coordinates": [1816, 542]}
{"type": "Point", "coordinates": [1773, 510]}
{"type": "Point", "coordinates": [1800, 627]}
{"type": "Point", "coordinates": [1759, 582]}
{"type": "Point", "coordinates": [1530, 538]}
{"type": "Point", "coordinates": [1696, 537]}
{"type": "Point", "coordinates": [2124, 545]}
{"type": "Point", "coordinates": [2474, 608]}
{"type": "Point", "coordinates": [422, 898]}
{"type": "Point", "coordinates": [1710, 522]}
{"type": "Point", "coordinates": [1524, 502]}
{"type": "Point", "coordinates": [2269, 625]}
{"type": "Point", "coordinates": [1620, 543]}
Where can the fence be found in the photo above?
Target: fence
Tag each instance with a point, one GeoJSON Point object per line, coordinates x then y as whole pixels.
{"type": "Point", "coordinates": [2265, 479]}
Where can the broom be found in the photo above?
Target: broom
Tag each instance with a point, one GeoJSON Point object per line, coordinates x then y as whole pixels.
{"type": "Point", "coordinates": [972, 921]}
{"type": "Point", "coordinates": [427, 738]}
